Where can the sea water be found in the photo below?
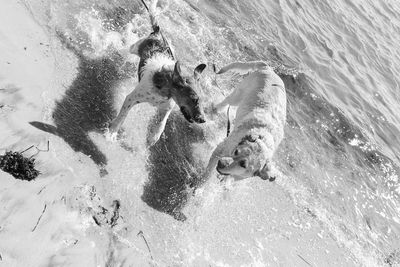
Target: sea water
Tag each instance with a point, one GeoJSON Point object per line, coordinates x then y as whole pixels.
{"type": "Point", "coordinates": [336, 199]}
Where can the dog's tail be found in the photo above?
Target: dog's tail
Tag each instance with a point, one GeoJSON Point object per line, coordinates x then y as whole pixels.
{"type": "Point", "coordinates": [244, 67]}
{"type": "Point", "coordinates": [153, 15]}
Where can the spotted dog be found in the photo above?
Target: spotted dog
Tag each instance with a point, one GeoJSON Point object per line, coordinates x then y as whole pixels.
{"type": "Point", "coordinates": [161, 83]}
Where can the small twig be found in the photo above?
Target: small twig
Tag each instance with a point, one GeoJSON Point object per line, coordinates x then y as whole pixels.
{"type": "Point", "coordinates": [44, 209]}
{"type": "Point", "coordinates": [194, 7]}
{"type": "Point", "coordinates": [115, 216]}
{"type": "Point", "coordinates": [309, 264]}
{"type": "Point", "coordinates": [141, 234]}
{"type": "Point", "coordinates": [215, 76]}
{"type": "Point", "coordinates": [1, 258]}
{"type": "Point", "coordinates": [96, 220]}
{"type": "Point", "coordinates": [27, 149]}
{"type": "Point", "coordinates": [42, 150]}
{"type": "Point", "coordinates": [48, 147]}
{"type": "Point", "coordinates": [41, 189]}
{"type": "Point", "coordinates": [38, 149]}
{"type": "Point", "coordinates": [214, 68]}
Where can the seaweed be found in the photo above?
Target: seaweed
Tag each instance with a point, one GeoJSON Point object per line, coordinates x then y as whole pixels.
{"type": "Point", "coordinates": [17, 165]}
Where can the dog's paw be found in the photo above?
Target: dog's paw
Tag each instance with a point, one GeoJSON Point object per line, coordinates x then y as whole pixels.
{"type": "Point", "coordinates": [267, 173]}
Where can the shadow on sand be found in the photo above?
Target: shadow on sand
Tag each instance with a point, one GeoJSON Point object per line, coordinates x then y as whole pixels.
{"type": "Point", "coordinates": [86, 106]}
{"type": "Point", "coordinates": [173, 171]}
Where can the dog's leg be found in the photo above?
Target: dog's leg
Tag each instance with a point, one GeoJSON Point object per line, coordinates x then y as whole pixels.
{"type": "Point", "coordinates": [266, 172]}
{"type": "Point", "coordinates": [161, 119]}
{"type": "Point", "coordinates": [132, 99]}
{"type": "Point", "coordinates": [243, 67]}
{"type": "Point", "coordinates": [233, 100]}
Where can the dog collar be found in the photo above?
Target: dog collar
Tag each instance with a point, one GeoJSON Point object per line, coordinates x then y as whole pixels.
{"type": "Point", "coordinates": [228, 126]}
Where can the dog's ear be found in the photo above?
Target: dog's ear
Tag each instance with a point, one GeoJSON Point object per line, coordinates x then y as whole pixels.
{"type": "Point", "coordinates": [177, 72]}
{"type": "Point", "coordinates": [265, 172]}
{"type": "Point", "coordinates": [198, 70]}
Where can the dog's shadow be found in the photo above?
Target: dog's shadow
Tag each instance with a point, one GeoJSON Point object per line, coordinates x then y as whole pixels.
{"type": "Point", "coordinates": [173, 171]}
{"type": "Point", "coordinates": [86, 106]}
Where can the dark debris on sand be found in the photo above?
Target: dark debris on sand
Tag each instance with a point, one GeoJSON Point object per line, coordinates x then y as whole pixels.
{"type": "Point", "coordinates": [393, 259]}
{"type": "Point", "coordinates": [17, 165]}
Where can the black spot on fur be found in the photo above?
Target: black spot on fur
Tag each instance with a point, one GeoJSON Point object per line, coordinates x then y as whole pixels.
{"type": "Point", "coordinates": [162, 80]}
{"type": "Point", "coordinates": [17, 165]}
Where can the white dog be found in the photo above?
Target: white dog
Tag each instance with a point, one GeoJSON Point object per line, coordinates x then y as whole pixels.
{"type": "Point", "coordinates": [258, 126]}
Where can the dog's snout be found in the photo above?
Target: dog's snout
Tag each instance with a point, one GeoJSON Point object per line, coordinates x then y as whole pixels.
{"type": "Point", "coordinates": [220, 164]}
{"type": "Point", "coordinates": [224, 162]}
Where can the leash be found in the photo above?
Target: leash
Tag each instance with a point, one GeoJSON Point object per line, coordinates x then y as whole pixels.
{"type": "Point", "coordinates": [145, 6]}
{"type": "Point", "coordinates": [157, 29]}
{"type": "Point", "coordinates": [228, 126]}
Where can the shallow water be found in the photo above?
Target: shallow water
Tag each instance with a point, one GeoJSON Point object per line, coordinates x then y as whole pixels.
{"type": "Point", "coordinates": [343, 123]}
{"type": "Point", "coordinates": [339, 159]}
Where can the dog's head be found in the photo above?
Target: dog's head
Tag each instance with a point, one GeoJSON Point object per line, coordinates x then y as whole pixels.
{"type": "Point", "coordinates": [182, 90]}
{"type": "Point", "coordinates": [247, 159]}
{"type": "Point", "coordinates": [185, 94]}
